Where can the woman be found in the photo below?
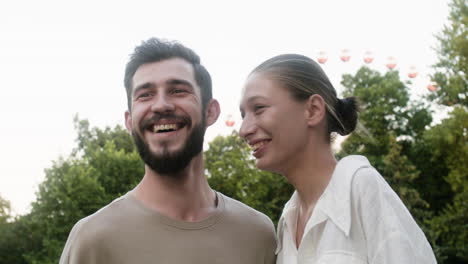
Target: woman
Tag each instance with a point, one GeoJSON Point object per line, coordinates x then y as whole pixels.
{"type": "Point", "coordinates": [341, 212]}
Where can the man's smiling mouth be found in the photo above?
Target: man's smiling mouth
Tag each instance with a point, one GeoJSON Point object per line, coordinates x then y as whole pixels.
{"type": "Point", "coordinates": [164, 128]}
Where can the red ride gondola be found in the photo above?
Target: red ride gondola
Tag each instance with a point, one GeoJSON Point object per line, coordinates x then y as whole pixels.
{"type": "Point", "coordinates": [432, 87]}
{"type": "Point", "coordinates": [368, 57]}
{"type": "Point", "coordinates": [322, 57]}
{"type": "Point", "coordinates": [345, 55]}
{"type": "Point", "coordinates": [230, 121]}
{"type": "Point", "coordinates": [391, 63]}
{"type": "Point", "coordinates": [412, 72]}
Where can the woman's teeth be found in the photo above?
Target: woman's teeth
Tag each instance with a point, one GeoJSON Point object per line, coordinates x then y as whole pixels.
{"type": "Point", "coordinates": [258, 145]}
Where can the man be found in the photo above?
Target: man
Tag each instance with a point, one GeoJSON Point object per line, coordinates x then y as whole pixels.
{"type": "Point", "coordinates": [172, 215]}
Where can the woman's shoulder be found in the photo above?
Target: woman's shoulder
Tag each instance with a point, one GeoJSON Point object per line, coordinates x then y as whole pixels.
{"type": "Point", "coordinates": [365, 178]}
{"type": "Point", "coordinates": [369, 187]}
{"type": "Point", "coordinates": [358, 170]}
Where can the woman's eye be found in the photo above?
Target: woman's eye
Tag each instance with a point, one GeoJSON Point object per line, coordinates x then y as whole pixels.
{"type": "Point", "coordinates": [258, 108]}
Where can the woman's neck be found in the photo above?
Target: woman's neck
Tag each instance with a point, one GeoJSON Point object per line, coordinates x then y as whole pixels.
{"type": "Point", "coordinates": [312, 174]}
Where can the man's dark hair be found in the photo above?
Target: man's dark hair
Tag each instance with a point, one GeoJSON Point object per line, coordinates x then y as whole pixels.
{"type": "Point", "coordinates": [154, 50]}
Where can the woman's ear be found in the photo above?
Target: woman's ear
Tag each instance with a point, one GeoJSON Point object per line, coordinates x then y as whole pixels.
{"type": "Point", "coordinates": [316, 110]}
{"type": "Point", "coordinates": [212, 112]}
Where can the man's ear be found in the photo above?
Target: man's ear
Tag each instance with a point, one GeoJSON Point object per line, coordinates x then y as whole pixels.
{"type": "Point", "coordinates": [315, 109]}
{"type": "Point", "coordinates": [212, 112]}
{"type": "Point", "coordinates": [128, 121]}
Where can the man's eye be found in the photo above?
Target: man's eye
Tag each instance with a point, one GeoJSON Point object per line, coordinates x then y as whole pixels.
{"type": "Point", "coordinates": [179, 91]}
{"type": "Point", "coordinates": [144, 95]}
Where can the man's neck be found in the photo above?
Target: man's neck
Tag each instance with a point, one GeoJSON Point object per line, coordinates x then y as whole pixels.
{"type": "Point", "coordinates": [185, 197]}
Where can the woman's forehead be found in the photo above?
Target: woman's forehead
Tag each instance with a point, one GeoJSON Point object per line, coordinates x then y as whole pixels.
{"type": "Point", "coordinates": [262, 87]}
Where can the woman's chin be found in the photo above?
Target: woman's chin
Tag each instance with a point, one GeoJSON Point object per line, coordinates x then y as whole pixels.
{"type": "Point", "coordinates": [261, 164]}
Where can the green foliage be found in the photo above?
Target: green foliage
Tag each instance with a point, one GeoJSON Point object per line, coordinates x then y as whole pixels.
{"type": "Point", "coordinates": [400, 174]}
{"type": "Point", "coordinates": [452, 66]}
{"type": "Point", "coordinates": [7, 235]}
{"type": "Point", "coordinates": [389, 125]}
{"type": "Point", "coordinates": [103, 167]}
{"type": "Point", "coordinates": [450, 146]}
{"type": "Point", "coordinates": [231, 170]}
{"type": "Point", "coordinates": [15, 240]}
{"type": "Point", "coordinates": [92, 139]}
{"type": "Point", "coordinates": [385, 104]}
{"type": "Point", "coordinates": [449, 141]}
{"type": "Point", "coordinates": [5, 210]}
{"type": "Point", "coordinates": [449, 231]}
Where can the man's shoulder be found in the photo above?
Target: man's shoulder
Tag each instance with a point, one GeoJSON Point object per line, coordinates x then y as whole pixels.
{"type": "Point", "coordinates": [242, 212]}
{"type": "Point", "coordinates": [253, 225]}
{"type": "Point", "coordinates": [104, 219]}
{"type": "Point", "coordinates": [93, 233]}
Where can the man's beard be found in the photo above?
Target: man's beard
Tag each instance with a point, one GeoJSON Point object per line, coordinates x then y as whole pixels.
{"type": "Point", "coordinates": [167, 163]}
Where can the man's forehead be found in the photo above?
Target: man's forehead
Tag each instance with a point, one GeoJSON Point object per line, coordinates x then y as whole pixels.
{"type": "Point", "coordinates": [160, 71]}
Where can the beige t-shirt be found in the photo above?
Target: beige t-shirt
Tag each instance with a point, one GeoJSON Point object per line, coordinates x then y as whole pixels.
{"type": "Point", "coordinates": [125, 231]}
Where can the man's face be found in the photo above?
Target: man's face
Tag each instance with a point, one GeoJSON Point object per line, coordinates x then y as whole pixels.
{"type": "Point", "coordinates": [166, 118]}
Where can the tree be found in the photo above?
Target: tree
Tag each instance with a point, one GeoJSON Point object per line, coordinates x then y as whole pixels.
{"type": "Point", "coordinates": [231, 170]}
{"type": "Point", "coordinates": [104, 166]}
{"type": "Point", "coordinates": [452, 66]}
{"type": "Point", "coordinates": [13, 241]}
{"type": "Point", "coordinates": [5, 210]}
{"type": "Point", "coordinates": [449, 141]}
{"type": "Point", "coordinates": [400, 174]}
{"type": "Point", "coordinates": [390, 124]}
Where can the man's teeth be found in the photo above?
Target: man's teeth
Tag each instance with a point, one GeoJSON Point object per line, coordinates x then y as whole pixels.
{"type": "Point", "coordinates": [158, 128]}
{"type": "Point", "coordinates": [258, 145]}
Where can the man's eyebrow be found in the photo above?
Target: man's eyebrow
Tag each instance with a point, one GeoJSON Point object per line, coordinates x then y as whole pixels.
{"type": "Point", "coordinates": [179, 82]}
{"type": "Point", "coordinates": [149, 85]}
{"type": "Point", "coordinates": [142, 86]}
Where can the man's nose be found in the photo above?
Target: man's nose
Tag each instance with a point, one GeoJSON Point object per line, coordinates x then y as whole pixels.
{"type": "Point", "coordinates": [162, 103]}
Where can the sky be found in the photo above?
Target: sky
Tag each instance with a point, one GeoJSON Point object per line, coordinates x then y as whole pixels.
{"type": "Point", "coordinates": [59, 59]}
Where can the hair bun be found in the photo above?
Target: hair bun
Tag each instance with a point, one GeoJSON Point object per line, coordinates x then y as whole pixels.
{"type": "Point", "coordinates": [347, 112]}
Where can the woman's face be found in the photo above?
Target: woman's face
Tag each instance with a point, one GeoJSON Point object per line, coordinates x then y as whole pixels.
{"type": "Point", "coordinates": [274, 124]}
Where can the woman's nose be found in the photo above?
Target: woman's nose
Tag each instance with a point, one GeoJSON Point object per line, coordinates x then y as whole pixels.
{"type": "Point", "coordinates": [247, 128]}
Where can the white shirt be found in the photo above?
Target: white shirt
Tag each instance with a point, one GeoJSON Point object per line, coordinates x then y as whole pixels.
{"type": "Point", "coordinates": [357, 219]}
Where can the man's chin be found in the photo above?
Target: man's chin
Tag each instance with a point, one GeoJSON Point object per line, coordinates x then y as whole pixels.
{"type": "Point", "coordinates": [165, 151]}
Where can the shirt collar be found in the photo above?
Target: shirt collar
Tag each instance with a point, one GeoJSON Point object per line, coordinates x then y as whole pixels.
{"type": "Point", "coordinates": [335, 202]}
{"type": "Point", "coordinates": [288, 210]}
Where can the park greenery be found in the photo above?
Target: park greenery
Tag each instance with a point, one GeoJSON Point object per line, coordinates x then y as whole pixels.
{"type": "Point", "coordinates": [424, 160]}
